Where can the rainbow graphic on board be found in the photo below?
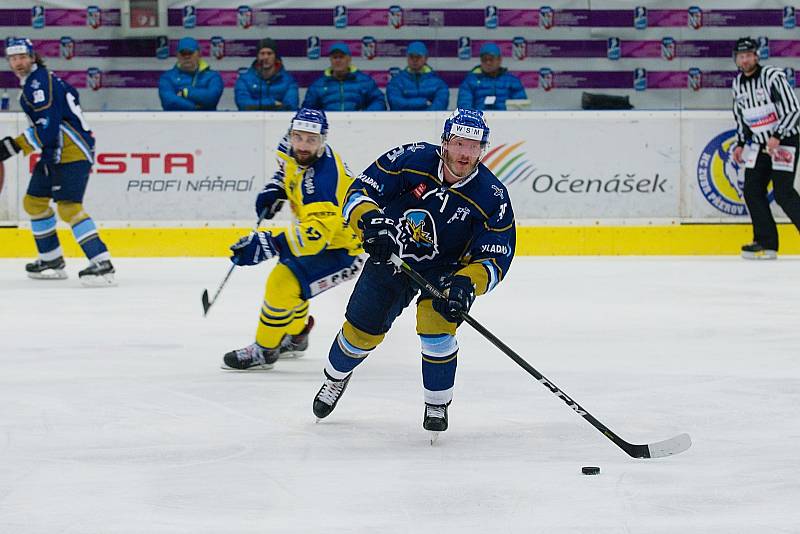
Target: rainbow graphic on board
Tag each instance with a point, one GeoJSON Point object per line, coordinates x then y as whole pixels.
{"type": "Point", "coordinates": [509, 163]}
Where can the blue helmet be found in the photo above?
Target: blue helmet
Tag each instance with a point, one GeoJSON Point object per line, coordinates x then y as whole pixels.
{"type": "Point", "coordinates": [466, 123]}
{"type": "Point", "coordinates": [18, 45]}
{"type": "Point", "coordinates": [310, 120]}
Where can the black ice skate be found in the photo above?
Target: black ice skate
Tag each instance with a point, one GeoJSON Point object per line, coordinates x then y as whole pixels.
{"type": "Point", "coordinates": [435, 420]}
{"type": "Point", "coordinates": [295, 346]}
{"type": "Point", "coordinates": [251, 358]}
{"type": "Point", "coordinates": [754, 251]}
{"type": "Point", "coordinates": [328, 395]}
{"type": "Point", "coordinates": [98, 274]}
{"type": "Point", "coordinates": [47, 270]}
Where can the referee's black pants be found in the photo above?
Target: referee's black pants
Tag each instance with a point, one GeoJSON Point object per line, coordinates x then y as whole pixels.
{"type": "Point", "coordinates": [756, 180]}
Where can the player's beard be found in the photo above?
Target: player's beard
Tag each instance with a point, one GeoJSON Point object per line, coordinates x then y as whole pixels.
{"type": "Point", "coordinates": [461, 166]}
{"type": "Point", "coordinates": [305, 158]}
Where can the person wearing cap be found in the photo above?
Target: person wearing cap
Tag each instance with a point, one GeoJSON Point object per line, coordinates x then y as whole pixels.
{"type": "Point", "coordinates": [65, 144]}
{"type": "Point", "coordinates": [767, 113]}
{"type": "Point", "coordinates": [489, 85]}
{"type": "Point", "coordinates": [266, 85]}
{"type": "Point", "coordinates": [343, 87]}
{"type": "Point", "coordinates": [417, 87]}
{"type": "Point", "coordinates": [190, 85]}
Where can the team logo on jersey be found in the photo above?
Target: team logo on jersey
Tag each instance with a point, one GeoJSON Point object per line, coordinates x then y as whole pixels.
{"type": "Point", "coordinates": [720, 178]}
{"type": "Point", "coordinates": [418, 240]}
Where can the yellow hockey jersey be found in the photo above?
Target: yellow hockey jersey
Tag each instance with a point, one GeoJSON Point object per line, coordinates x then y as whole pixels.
{"type": "Point", "coordinates": [316, 195]}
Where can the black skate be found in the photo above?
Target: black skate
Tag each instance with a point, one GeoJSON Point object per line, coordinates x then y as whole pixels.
{"type": "Point", "coordinates": [98, 274]}
{"type": "Point", "coordinates": [295, 346]}
{"type": "Point", "coordinates": [47, 270]}
{"type": "Point", "coordinates": [435, 420]}
{"type": "Point", "coordinates": [754, 251]}
{"type": "Point", "coordinates": [251, 358]}
{"type": "Point", "coordinates": [328, 395]}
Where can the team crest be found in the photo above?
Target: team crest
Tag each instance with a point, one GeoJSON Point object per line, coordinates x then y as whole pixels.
{"type": "Point", "coordinates": [418, 240]}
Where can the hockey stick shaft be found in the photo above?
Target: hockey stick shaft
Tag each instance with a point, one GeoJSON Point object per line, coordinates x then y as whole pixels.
{"type": "Point", "coordinates": [207, 303]}
{"type": "Point", "coordinates": [636, 451]}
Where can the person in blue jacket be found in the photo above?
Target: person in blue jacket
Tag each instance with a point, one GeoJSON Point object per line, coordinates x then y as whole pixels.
{"type": "Point", "coordinates": [417, 87]}
{"type": "Point", "coordinates": [343, 87]}
{"type": "Point", "coordinates": [489, 85]}
{"type": "Point", "coordinates": [190, 85]}
{"type": "Point", "coordinates": [266, 85]}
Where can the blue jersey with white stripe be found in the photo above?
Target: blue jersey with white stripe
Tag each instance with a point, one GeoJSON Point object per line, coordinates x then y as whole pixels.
{"type": "Point", "coordinates": [57, 125]}
{"type": "Point", "coordinates": [445, 226]}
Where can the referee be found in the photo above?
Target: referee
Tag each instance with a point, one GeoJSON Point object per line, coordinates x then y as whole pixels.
{"type": "Point", "coordinates": [767, 113]}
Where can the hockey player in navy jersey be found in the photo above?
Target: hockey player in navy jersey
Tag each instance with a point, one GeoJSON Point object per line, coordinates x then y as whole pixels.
{"type": "Point", "coordinates": [59, 131]}
{"type": "Point", "coordinates": [444, 213]}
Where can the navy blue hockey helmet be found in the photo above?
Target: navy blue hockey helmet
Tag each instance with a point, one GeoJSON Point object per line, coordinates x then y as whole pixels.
{"type": "Point", "coordinates": [18, 45]}
{"type": "Point", "coordinates": [466, 123]}
{"type": "Point", "coordinates": [310, 120]}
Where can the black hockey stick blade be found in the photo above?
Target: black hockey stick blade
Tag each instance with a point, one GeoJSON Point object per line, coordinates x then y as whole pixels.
{"type": "Point", "coordinates": [658, 449]}
{"type": "Point", "coordinates": [206, 303]}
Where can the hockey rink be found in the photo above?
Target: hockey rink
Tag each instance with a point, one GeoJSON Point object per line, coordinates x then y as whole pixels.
{"type": "Point", "coordinates": [116, 418]}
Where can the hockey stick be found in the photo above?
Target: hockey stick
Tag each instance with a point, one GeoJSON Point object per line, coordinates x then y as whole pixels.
{"type": "Point", "coordinates": [208, 303]}
{"type": "Point", "coordinates": [658, 449]}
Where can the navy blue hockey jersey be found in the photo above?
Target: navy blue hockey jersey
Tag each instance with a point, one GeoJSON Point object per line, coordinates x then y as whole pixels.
{"type": "Point", "coordinates": [470, 223]}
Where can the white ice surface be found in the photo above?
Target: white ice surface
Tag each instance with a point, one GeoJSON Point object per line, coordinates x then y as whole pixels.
{"type": "Point", "coordinates": [115, 416]}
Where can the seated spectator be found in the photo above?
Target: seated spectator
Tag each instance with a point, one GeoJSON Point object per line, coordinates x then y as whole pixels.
{"type": "Point", "coordinates": [190, 85]}
{"type": "Point", "coordinates": [343, 87]}
{"type": "Point", "coordinates": [489, 85]}
{"type": "Point", "coordinates": [266, 85]}
{"type": "Point", "coordinates": [417, 87]}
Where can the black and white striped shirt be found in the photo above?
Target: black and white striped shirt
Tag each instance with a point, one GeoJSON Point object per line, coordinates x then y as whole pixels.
{"type": "Point", "coordinates": [764, 105]}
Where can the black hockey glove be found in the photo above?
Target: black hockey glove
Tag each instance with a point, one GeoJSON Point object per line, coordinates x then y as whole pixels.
{"type": "Point", "coordinates": [380, 237]}
{"type": "Point", "coordinates": [254, 248]}
{"type": "Point", "coordinates": [460, 294]}
{"type": "Point", "coordinates": [269, 200]}
{"type": "Point", "coordinates": [8, 148]}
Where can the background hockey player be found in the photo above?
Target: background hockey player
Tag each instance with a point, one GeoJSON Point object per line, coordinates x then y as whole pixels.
{"type": "Point", "coordinates": [317, 252]}
{"type": "Point", "coordinates": [767, 115]}
{"type": "Point", "coordinates": [60, 132]}
{"type": "Point", "coordinates": [449, 218]}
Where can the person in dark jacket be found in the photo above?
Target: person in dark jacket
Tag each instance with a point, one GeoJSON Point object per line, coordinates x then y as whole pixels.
{"type": "Point", "coordinates": [489, 85]}
{"type": "Point", "coordinates": [266, 85]}
{"type": "Point", "coordinates": [343, 87]}
{"type": "Point", "coordinates": [417, 87]}
{"type": "Point", "coordinates": [190, 85]}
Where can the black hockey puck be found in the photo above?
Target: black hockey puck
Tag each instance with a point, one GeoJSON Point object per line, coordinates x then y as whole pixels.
{"type": "Point", "coordinates": [589, 470]}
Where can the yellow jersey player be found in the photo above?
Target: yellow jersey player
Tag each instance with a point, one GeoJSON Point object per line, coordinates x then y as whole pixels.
{"type": "Point", "coordinates": [316, 252]}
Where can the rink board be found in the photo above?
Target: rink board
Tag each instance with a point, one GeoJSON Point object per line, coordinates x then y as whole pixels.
{"type": "Point", "coordinates": [710, 239]}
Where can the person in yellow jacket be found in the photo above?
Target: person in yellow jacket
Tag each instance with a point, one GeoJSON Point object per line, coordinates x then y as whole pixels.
{"type": "Point", "coordinates": [317, 251]}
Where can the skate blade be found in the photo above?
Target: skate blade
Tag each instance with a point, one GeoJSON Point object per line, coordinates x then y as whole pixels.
{"type": "Point", "coordinates": [254, 369]}
{"type": "Point", "coordinates": [49, 274]}
{"type": "Point", "coordinates": [105, 280]}
{"type": "Point", "coordinates": [292, 355]}
{"type": "Point", "coordinates": [434, 436]}
{"type": "Point", "coordinates": [764, 255]}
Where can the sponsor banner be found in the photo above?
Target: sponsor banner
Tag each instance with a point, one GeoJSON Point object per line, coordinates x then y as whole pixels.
{"type": "Point", "coordinates": [61, 17]}
{"type": "Point", "coordinates": [159, 167]}
{"type": "Point", "coordinates": [713, 181]}
{"type": "Point", "coordinates": [611, 48]}
{"type": "Point", "coordinates": [607, 18]}
{"type": "Point", "coordinates": [544, 182]}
